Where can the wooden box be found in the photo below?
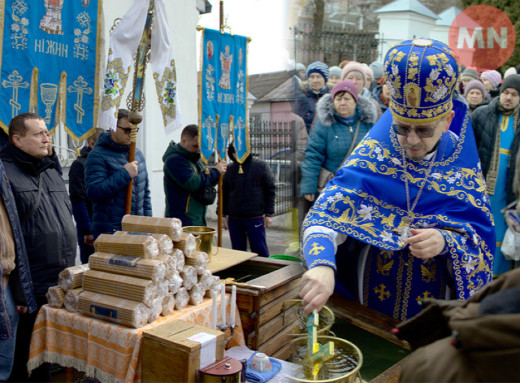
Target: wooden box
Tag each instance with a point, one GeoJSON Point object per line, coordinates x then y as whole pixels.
{"type": "Point", "coordinates": [267, 317]}
{"type": "Point", "coordinates": [169, 356]}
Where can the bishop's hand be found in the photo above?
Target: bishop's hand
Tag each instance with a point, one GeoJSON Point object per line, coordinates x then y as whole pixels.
{"type": "Point", "coordinates": [316, 288]}
{"type": "Point", "coordinates": [425, 243]}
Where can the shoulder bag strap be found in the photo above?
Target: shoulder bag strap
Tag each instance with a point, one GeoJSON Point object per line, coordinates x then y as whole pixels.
{"type": "Point", "coordinates": [351, 147]}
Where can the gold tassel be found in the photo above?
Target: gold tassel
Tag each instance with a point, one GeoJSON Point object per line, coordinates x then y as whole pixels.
{"type": "Point", "coordinates": [33, 93]}
{"type": "Point", "coordinates": [240, 170]}
{"type": "Point", "coordinates": [63, 95]}
{"type": "Point", "coordinates": [61, 103]}
{"type": "Point", "coordinates": [207, 169]}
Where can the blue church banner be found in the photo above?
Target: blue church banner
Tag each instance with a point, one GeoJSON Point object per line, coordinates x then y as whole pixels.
{"type": "Point", "coordinates": [223, 97]}
{"type": "Point", "coordinates": [49, 62]}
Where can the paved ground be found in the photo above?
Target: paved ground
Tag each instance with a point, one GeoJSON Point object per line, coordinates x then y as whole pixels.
{"type": "Point", "coordinates": [278, 240]}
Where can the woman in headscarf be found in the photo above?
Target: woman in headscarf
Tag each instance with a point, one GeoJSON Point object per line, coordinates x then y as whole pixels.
{"type": "Point", "coordinates": [357, 73]}
{"type": "Point", "coordinates": [491, 80]}
{"type": "Point", "coordinates": [343, 119]}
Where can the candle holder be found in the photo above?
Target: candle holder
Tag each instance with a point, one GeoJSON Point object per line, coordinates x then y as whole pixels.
{"type": "Point", "coordinates": [224, 329]}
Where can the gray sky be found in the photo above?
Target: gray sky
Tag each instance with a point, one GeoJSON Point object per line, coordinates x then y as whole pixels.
{"type": "Point", "coordinates": [265, 21]}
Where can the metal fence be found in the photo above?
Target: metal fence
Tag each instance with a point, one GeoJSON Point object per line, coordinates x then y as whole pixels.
{"type": "Point", "coordinates": [275, 142]}
{"type": "Point", "coordinates": [333, 45]}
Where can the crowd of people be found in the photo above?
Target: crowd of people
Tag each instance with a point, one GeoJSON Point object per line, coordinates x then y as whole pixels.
{"type": "Point", "coordinates": [489, 98]}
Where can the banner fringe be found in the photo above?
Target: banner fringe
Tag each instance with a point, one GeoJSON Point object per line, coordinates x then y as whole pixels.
{"type": "Point", "coordinates": [33, 93]}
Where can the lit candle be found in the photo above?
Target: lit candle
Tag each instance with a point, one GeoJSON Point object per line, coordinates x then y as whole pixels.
{"type": "Point", "coordinates": [233, 304]}
{"type": "Point", "coordinates": [223, 303]}
{"type": "Point", "coordinates": [214, 310]}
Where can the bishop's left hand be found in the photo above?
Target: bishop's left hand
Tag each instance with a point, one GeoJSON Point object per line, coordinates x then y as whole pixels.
{"type": "Point", "coordinates": [426, 243]}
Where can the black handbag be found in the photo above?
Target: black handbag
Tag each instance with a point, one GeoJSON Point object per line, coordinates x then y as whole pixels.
{"type": "Point", "coordinates": [206, 196]}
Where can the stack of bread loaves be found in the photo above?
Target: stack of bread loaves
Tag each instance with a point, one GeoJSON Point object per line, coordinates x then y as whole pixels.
{"type": "Point", "coordinates": [69, 287]}
{"type": "Point", "coordinates": [149, 269]}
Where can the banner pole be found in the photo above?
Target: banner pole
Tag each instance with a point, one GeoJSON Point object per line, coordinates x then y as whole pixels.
{"type": "Point", "coordinates": [136, 102]}
{"type": "Point", "coordinates": [220, 178]}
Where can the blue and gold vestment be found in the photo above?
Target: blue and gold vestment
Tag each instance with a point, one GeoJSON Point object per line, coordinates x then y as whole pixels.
{"type": "Point", "coordinates": [367, 202]}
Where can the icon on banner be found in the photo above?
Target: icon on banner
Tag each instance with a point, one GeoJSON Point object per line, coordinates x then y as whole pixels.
{"type": "Point", "coordinates": [226, 59]}
{"type": "Point", "coordinates": [51, 21]}
{"type": "Point", "coordinates": [209, 49]}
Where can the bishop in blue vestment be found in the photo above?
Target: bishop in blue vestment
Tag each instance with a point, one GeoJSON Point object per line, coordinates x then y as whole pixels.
{"type": "Point", "coordinates": [407, 217]}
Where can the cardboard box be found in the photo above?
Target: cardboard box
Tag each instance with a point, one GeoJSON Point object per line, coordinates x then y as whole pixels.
{"type": "Point", "coordinates": [169, 356]}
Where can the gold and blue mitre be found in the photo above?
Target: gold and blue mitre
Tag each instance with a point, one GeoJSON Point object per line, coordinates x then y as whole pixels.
{"type": "Point", "coordinates": [421, 75]}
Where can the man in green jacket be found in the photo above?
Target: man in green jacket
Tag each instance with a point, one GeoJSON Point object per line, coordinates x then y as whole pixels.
{"type": "Point", "coordinates": [187, 186]}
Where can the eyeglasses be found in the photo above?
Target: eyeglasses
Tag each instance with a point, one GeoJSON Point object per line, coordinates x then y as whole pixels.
{"type": "Point", "coordinates": [128, 130]}
{"type": "Point", "coordinates": [421, 131]}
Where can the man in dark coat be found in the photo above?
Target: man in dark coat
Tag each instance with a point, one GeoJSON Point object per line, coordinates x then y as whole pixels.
{"type": "Point", "coordinates": [16, 285]}
{"type": "Point", "coordinates": [107, 175]}
{"type": "Point", "coordinates": [44, 210]}
{"type": "Point", "coordinates": [185, 179]}
{"type": "Point", "coordinates": [81, 205]}
{"type": "Point", "coordinates": [249, 192]}
{"type": "Point", "coordinates": [486, 124]}
{"type": "Point", "coordinates": [497, 135]}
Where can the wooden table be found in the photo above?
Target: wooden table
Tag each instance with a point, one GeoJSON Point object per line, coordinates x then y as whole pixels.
{"type": "Point", "coordinates": [104, 350]}
{"type": "Point", "coordinates": [226, 258]}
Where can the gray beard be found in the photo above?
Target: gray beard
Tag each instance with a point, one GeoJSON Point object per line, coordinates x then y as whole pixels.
{"type": "Point", "coordinates": [417, 159]}
{"type": "Point", "coordinates": [413, 158]}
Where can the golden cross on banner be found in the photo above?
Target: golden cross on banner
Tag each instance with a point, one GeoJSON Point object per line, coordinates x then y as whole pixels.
{"type": "Point", "coordinates": [15, 81]}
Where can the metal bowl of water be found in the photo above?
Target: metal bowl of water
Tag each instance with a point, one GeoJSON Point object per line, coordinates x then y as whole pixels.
{"type": "Point", "coordinates": [343, 367]}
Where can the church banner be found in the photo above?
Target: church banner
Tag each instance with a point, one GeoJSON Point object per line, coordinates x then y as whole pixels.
{"type": "Point", "coordinates": [223, 94]}
{"type": "Point", "coordinates": [50, 62]}
{"type": "Point", "coordinates": [124, 42]}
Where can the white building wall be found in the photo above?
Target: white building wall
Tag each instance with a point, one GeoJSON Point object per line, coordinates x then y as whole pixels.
{"type": "Point", "coordinates": [262, 109]}
{"type": "Point", "coordinates": [152, 140]}
{"type": "Point", "coordinates": [398, 26]}
{"type": "Point", "coordinates": [441, 33]}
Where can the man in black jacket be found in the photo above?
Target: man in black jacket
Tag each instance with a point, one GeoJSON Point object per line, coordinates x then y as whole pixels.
{"type": "Point", "coordinates": [497, 135]}
{"type": "Point", "coordinates": [44, 209]}
{"type": "Point", "coordinates": [249, 192]}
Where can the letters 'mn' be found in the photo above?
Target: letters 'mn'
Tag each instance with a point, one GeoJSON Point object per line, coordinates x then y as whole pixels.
{"type": "Point", "coordinates": [478, 36]}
